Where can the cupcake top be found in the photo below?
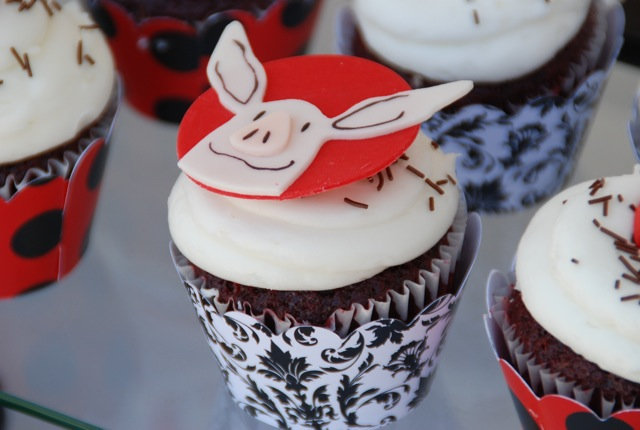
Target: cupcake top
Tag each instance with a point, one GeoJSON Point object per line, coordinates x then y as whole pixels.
{"type": "Point", "coordinates": [291, 182]}
{"type": "Point", "coordinates": [482, 40]}
{"type": "Point", "coordinates": [577, 268]}
{"type": "Point", "coordinates": [56, 76]}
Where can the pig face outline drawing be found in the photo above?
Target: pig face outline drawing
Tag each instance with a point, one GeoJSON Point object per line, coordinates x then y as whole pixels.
{"type": "Point", "coordinates": [267, 145]}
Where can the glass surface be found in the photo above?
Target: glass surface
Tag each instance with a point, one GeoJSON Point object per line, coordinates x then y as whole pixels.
{"type": "Point", "coordinates": [117, 343]}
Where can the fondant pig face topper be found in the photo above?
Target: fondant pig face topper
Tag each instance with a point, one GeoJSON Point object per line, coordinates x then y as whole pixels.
{"type": "Point", "coordinates": [267, 145]}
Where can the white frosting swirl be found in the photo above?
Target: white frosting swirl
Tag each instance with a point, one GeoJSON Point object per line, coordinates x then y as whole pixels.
{"type": "Point", "coordinates": [482, 40]}
{"type": "Point", "coordinates": [62, 97]}
{"type": "Point", "coordinates": [567, 269]}
{"type": "Point", "coordinates": [318, 242]}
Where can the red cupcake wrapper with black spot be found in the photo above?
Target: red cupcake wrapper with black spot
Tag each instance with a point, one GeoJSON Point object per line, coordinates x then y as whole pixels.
{"type": "Point", "coordinates": [163, 60]}
{"type": "Point", "coordinates": [46, 222]}
{"type": "Point", "coordinates": [565, 411]}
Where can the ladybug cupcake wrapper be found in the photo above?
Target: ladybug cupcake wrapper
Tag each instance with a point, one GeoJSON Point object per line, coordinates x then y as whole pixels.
{"type": "Point", "coordinates": [562, 404]}
{"type": "Point", "coordinates": [310, 377]}
{"type": "Point", "coordinates": [512, 160]}
{"type": "Point", "coordinates": [162, 60]}
{"type": "Point", "coordinates": [46, 222]}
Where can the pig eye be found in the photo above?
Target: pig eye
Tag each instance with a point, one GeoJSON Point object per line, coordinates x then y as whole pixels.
{"type": "Point", "coordinates": [175, 50]}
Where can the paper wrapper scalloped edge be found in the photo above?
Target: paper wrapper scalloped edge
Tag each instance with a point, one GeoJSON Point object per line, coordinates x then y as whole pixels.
{"type": "Point", "coordinates": [416, 293]}
{"type": "Point", "coordinates": [65, 191]}
{"type": "Point", "coordinates": [494, 177]}
{"type": "Point", "coordinates": [560, 404]}
{"type": "Point", "coordinates": [310, 377]}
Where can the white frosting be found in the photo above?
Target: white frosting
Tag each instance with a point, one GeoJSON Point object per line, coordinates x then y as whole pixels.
{"type": "Point", "coordinates": [567, 268]}
{"type": "Point", "coordinates": [441, 39]}
{"type": "Point", "coordinates": [61, 97]}
{"type": "Point", "coordinates": [319, 242]}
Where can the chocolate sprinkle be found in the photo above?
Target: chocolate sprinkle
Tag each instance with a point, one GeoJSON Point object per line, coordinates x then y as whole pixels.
{"type": "Point", "coordinates": [257, 117]}
{"type": "Point", "coordinates": [266, 137]}
{"type": "Point", "coordinates": [389, 173]}
{"type": "Point", "coordinates": [434, 186]}
{"type": "Point", "coordinates": [631, 297]}
{"type": "Point", "coordinates": [355, 203]}
{"type": "Point", "coordinates": [453, 181]}
{"type": "Point", "coordinates": [415, 171]}
{"type": "Point", "coordinates": [432, 205]}
{"type": "Point", "coordinates": [23, 61]}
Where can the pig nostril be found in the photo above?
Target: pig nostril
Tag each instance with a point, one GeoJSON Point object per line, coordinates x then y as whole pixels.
{"type": "Point", "coordinates": [250, 134]}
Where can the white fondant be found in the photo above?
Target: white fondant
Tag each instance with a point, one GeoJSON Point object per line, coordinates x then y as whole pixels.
{"type": "Point", "coordinates": [566, 270]}
{"type": "Point", "coordinates": [318, 242]}
{"type": "Point", "coordinates": [216, 162]}
{"type": "Point", "coordinates": [441, 39]}
{"type": "Point", "coordinates": [61, 97]}
{"type": "Point", "coordinates": [265, 137]}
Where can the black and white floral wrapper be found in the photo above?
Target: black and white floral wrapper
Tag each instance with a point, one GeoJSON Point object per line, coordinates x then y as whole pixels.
{"type": "Point", "coordinates": [544, 400]}
{"type": "Point", "coordinates": [312, 378]}
{"type": "Point", "coordinates": [510, 161]}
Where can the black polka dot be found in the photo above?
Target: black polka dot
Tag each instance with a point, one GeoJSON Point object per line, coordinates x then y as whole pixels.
{"type": "Point", "coordinates": [175, 50]}
{"type": "Point", "coordinates": [211, 31]}
{"type": "Point", "coordinates": [97, 168]}
{"type": "Point", "coordinates": [39, 235]}
{"type": "Point", "coordinates": [587, 421]}
{"type": "Point", "coordinates": [171, 110]}
{"type": "Point", "coordinates": [296, 12]}
{"type": "Point", "coordinates": [102, 18]}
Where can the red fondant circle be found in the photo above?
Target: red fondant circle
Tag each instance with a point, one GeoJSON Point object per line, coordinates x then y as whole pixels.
{"type": "Point", "coordinates": [333, 83]}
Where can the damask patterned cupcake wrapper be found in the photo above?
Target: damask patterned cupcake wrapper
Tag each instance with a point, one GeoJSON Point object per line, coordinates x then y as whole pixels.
{"type": "Point", "coordinates": [163, 59]}
{"type": "Point", "coordinates": [511, 161]}
{"type": "Point", "coordinates": [47, 215]}
{"type": "Point", "coordinates": [415, 295]}
{"type": "Point", "coordinates": [546, 400]}
{"type": "Point", "coordinates": [309, 377]}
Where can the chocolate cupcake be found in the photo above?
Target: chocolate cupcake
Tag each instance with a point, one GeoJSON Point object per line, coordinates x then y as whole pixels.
{"type": "Point", "coordinates": [538, 69]}
{"type": "Point", "coordinates": [308, 219]}
{"type": "Point", "coordinates": [162, 47]}
{"type": "Point", "coordinates": [57, 102]}
{"type": "Point", "coordinates": [568, 325]}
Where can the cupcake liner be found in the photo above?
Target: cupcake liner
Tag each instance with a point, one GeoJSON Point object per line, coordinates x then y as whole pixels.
{"type": "Point", "coordinates": [634, 126]}
{"type": "Point", "coordinates": [46, 216]}
{"type": "Point", "coordinates": [415, 295]}
{"type": "Point", "coordinates": [543, 400]}
{"type": "Point", "coordinates": [163, 60]}
{"type": "Point", "coordinates": [512, 160]}
{"type": "Point", "coordinates": [310, 377]}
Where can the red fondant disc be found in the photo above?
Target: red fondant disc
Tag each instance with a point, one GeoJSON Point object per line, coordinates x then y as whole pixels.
{"type": "Point", "coordinates": [333, 83]}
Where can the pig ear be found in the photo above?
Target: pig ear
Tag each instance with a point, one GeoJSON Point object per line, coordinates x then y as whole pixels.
{"type": "Point", "coordinates": [387, 114]}
{"type": "Point", "coordinates": [234, 71]}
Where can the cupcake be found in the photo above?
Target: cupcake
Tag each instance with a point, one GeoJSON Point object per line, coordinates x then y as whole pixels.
{"type": "Point", "coordinates": [57, 104]}
{"type": "Point", "coordinates": [162, 47]}
{"type": "Point", "coordinates": [538, 69]}
{"type": "Point", "coordinates": [320, 235]}
{"type": "Point", "coordinates": [565, 325]}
